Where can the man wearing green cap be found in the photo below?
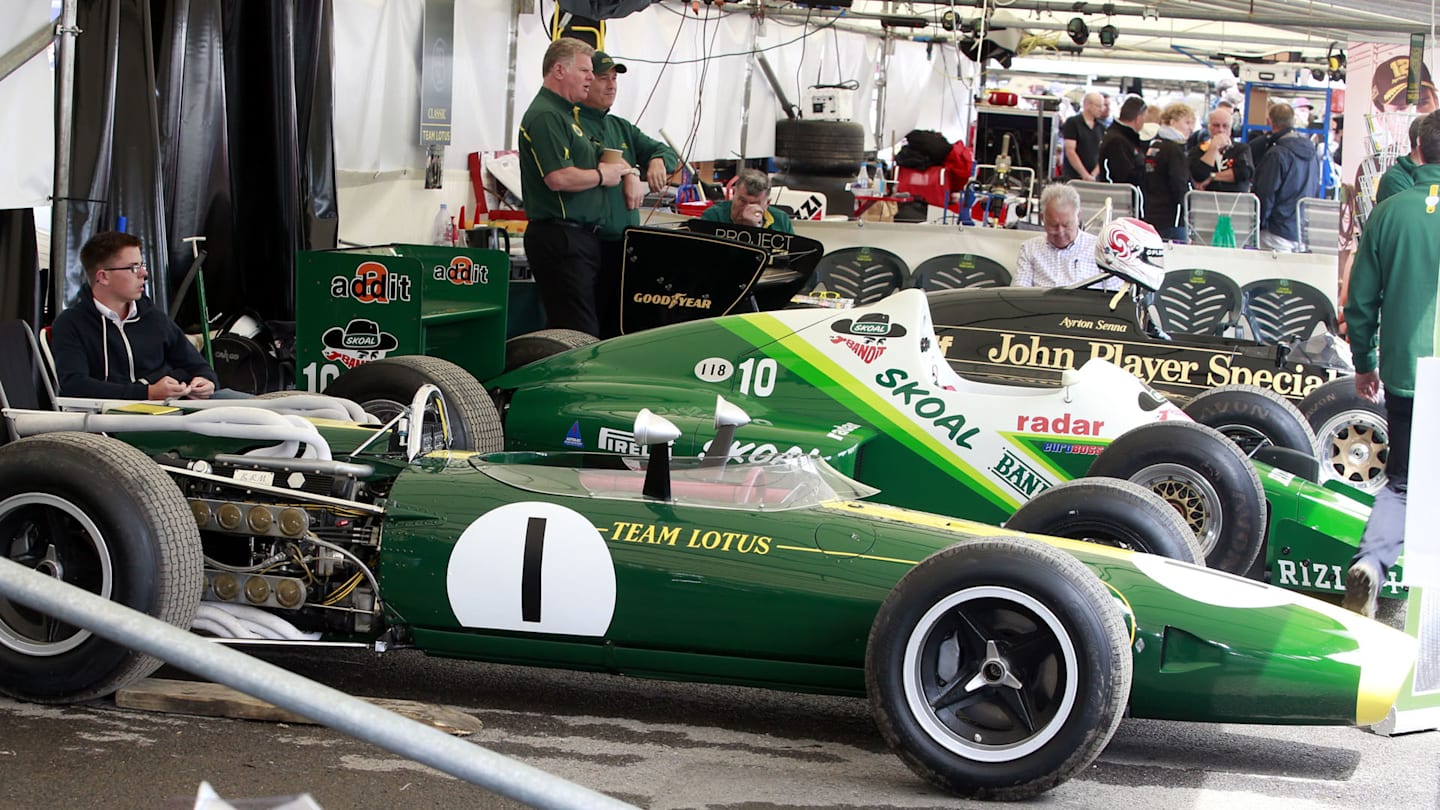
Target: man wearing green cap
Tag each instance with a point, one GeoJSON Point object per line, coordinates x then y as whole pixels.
{"type": "Point", "coordinates": [564, 183]}
{"type": "Point", "coordinates": [644, 157]}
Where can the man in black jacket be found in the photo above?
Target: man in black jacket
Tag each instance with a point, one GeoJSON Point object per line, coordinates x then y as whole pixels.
{"type": "Point", "coordinates": [114, 343]}
{"type": "Point", "coordinates": [1289, 170]}
{"type": "Point", "coordinates": [1122, 153]}
{"type": "Point", "coordinates": [1218, 163]}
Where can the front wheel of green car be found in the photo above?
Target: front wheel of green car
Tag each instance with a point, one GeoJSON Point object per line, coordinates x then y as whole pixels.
{"type": "Point", "coordinates": [1204, 477]}
{"type": "Point", "coordinates": [98, 514]}
{"type": "Point", "coordinates": [998, 668]}
{"type": "Point", "coordinates": [385, 388]}
{"type": "Point", "coordinates": [1111, 512]}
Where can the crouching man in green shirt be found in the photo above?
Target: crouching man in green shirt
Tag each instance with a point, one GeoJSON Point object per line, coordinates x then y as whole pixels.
{"type": "Point", "coordinates": [750, 205]}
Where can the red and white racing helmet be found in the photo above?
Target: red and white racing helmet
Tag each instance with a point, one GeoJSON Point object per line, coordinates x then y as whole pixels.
{"type": "Point", "coordinates": [1132, 250]}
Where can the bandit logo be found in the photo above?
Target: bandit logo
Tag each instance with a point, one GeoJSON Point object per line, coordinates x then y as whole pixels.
{"type": "Point", "coordinates": [373, 284]}
{"type": "Point", "coordinates": [462, 272]}
{"type": "Point", "coordinates": [866, 335]}
{"type": "Point", "coordinates": [358, 343]}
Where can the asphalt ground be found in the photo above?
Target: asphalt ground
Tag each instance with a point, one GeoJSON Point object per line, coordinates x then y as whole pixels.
{"type": "Point", "coordinates": [657, 744]}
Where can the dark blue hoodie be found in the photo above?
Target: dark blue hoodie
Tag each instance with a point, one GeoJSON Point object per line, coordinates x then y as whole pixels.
{"type": "Point", "coordinates": [1289, 170]}
{"type": "Point", "coordinates": [94, 357]}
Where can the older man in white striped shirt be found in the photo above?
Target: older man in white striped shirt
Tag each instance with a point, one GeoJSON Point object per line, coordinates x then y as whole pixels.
{"type": "Point", "coordinates": [1065, 254]}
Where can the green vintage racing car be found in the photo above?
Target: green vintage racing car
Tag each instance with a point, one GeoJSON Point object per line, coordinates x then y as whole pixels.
{"type": "Point", "coordinates": [870, 390]}
{"type": "Point", "coordinates": [997, 663]}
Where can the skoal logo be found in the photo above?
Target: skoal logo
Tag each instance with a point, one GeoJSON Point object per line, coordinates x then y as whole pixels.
{"type": "Point", "coordinates": [873, 329]}
{"type": "Point", "coordinates": [358, 342]}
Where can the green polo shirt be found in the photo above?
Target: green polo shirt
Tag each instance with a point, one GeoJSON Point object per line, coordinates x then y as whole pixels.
{"type": "Point", "coordinates": [775, 219]}
{"type": "Point", "coordinates": [615, 132]}
{"type": "Point", "coordinates": [551, 138]}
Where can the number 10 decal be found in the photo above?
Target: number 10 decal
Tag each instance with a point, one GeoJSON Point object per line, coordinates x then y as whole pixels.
{"type": "Point", "coordinates": [758, 376]}
{"type": "Point", "coordinates": [532, 567]}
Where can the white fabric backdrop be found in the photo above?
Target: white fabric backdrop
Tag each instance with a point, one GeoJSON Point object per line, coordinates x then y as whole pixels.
{"type": "Point", "coordinates": [27, 114]}
{"type": "Point", "coordinates": [699, 101]}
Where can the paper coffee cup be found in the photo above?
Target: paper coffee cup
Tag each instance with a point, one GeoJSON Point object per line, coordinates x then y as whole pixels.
{"type": "Point", "coordinates": [612, 156]}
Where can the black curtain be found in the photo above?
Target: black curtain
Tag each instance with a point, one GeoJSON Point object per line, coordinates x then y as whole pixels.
{"type": "Point", "coordinates": [114, 168]}
{"type": "Point", "coordinates": [206, 118]}
{"type": "Point", "coordinates": [20, 284]}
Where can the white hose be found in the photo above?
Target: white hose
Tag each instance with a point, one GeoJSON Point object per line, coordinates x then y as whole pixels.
{"type": "Point", "coordinates": [229, 626]}
{"type": "Point", "coordinates": [226, 422]}
{"type": "Point", "coordinates": [264, 619]}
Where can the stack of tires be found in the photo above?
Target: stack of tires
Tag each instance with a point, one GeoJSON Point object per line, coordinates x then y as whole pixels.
{"type": "Point", "coordinates": [823, 156]}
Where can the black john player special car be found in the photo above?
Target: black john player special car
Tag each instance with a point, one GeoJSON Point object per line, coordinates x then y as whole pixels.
{"type": "Point", "coordinates": [1029, 335]}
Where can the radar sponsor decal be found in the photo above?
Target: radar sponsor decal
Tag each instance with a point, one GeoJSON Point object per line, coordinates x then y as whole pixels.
{"type": "Point", "coordinates": [932, 409]}
{"type": "Point", "coordinates": [866, 336]}
{"type": "Point", "coordinates": [1064, 424]}
{"type": "Point", "coordinates": [373, 283]}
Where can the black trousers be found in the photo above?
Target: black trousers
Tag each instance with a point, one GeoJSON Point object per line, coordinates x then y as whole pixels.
{"type": "Point", "coordinates": [565, 260]}
{"type": "Point", "coordinates": [607, 286]}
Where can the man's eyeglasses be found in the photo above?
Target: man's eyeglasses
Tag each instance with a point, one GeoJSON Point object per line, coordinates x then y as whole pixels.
{"type": "Point", "coordinates": [134, 269]}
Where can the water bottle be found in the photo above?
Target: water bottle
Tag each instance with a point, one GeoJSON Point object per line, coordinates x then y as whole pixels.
{"type": "Point", "coordinates": [440, 233]}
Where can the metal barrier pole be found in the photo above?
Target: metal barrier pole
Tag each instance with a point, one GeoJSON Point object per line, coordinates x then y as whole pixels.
{"type": "Point", "coordinates": [332, 707]}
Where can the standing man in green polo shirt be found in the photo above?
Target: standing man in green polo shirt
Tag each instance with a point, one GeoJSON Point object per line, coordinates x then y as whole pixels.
{"type": "Point", "coordinates": [623, 203]}
{"type": "Point", "coordinates": [563, 183]}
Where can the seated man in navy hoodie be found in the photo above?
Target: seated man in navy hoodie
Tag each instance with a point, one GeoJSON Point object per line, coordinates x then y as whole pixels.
{"type": "Point", "coordinates": [114, 343]}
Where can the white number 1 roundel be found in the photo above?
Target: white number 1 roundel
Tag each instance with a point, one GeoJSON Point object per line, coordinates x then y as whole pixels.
{"type": "Point", "coordinates": [533, 567]}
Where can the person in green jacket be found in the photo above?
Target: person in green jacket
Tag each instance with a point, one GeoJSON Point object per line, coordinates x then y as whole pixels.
{"type": "Point", "coordinates": [649, 163]}
{"type": "Point", "coordinates": [748, 205]}
{"type": "Point", "coordinates": [1391, 319]}
{"type": "Point", "coordinates": [1401, 174]}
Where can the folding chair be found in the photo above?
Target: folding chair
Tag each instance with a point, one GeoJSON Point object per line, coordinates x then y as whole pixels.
{"type": "Point", "coordinates": [1203, 210]}
{"type": "Point", "coordinates": [1197, 302]}
{"type": "Point", "coordinates": [1279, 309]}
{"type": "Point", "coordinates": [865, 274]}
{"type": "Point", "coordinates": [1319, 225]}
{"type": "Point", "coordinates": [955, 270]}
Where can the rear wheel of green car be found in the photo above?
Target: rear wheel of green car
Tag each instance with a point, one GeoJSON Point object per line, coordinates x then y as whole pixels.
{"type": "Point", "coordinates": [95, 513]}
{"type": "Point", "coordinates": [525, 349]}
{"type": "Point", "coordinates": [998, 668]}
{"type": "Point", "coordinates": [1111, 512]}
{"type": "Point", "coordinates": [1204, 477]}
{"type": "Point", "coordinates": [385, 388]}
{"type": "Point", "coordinates": [1353, 436]}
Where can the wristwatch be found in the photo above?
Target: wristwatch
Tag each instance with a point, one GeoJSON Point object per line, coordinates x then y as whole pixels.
{"type": "Point", "coordinates": [635, 170]}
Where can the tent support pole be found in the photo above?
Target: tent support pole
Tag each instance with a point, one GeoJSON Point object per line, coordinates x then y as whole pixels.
{"type": "Point", "coordinates": [64, 120]}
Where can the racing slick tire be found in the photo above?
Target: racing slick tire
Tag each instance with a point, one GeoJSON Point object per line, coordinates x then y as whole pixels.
{"type": "Point", "coordinates": [1253, 418]}
{"type": "Point", "coordinates": [525, 349]}
{"type": "Point", "coordinates": [1111, 512]}
{"type": "Point", "coordinates": [1353, 436]}
{"type": "Point", "coordinates": [998, 668]}
{"type": "Point", "coordinates": [829, 148]}
{"type": "Point", "coordinates": [98, 514]}
{"type": "Point", "coordinates": [385, 387]}
{"type": "Point", "coordinates": [1205, 477]}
